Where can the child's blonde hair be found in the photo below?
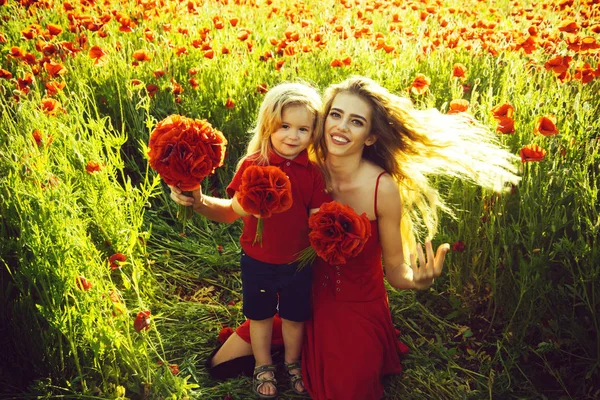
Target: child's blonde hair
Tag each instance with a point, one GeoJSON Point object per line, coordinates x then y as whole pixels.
{"type": "Point", "coordinates": [414, 144]}
{"type": "Point", "coordinates": [276, 100]}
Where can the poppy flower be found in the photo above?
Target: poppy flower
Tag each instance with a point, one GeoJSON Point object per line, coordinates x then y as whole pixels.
{"type": "Point", "coordinates": [16, 52]}
{"type": "Point", "coordinates": [218, 22]}
{"type": "Point", "coordinates": [459, 71]}
{"type": "Point", "coordinates": [53, 87]}
{"type": "Point", "coordinates": [458, 106]}
{"type": "Point", "coordinates": [264, 191]}
{"type": "Point", "coordinates": [91, 167]}
{"type": "Point", "coordinates": [49, 49]}
{"type": "Point", "coordinates": [5, 74]}
{"type": "Point", "coordinates": [420, 84]}
{"type": "Point", "coordinates": [114, 258]}
{"type": "Point", "coordinates": [584, 73]}
{"type": "Point", "coordinates": [31, 60]}
{"type": "Point", "coordinates": [83, 283]}
{"type": "Point", "coordinates": [53, 29]}
{"type": "Point", "coordinates": [336, 63]}
{"type": "Point", "coordinates": [127, 24]}
{"type": "Point", "coordinates": [532, 152]}
{"type": "Point", "coordinates": [243, 35]}
{"type": "Point", "coordinates": [558, 64]}
{"type": "Point", "coordinates": [337, 233]}
{"type": "Point", "coordinates": [50, 106]}
{"type": "Point", "coordinates": [224, 334]}
{"type": "Point", "coordinates": [546, 126]}
{"type": "Point", "coordinates": [505, 125]}
{"type": "Point", "coordinates": [31, 31]}
{"type": "Point", "coordinates": [184, 150]}
{"type": "Point", "coordinates": [176, 88]}
{"type": "Point", "coordinates": [141, 55]}
{"type": "Point", "coordinates": [569, 27]}
{"type": "Point", "coordinates": [37, 136]}
{"type": "Point", "coordinates": [503, 111]}
{"type": "Point", "coordinates": [588, 45]}
{"type": "Point", "coordinates": [23, 83]}
{"type": "Point", "coordinates": [194, 83]}
{"type": "Point", "coordinates": [262, 88]}
{"type": "Point", "coordinates": [174, 368]}
{"type": "Point", "coordinates": [210, 54]}
{"type": "Point", "coordinates": [229, 103]}
{"type": "Point", "coordinates": [142, 321]}
{"type": "Point", "coordinates": [54, 69]}
{"type": "Point", "coordinates": [151, 89]}
{"type": "Point", "coordinates": [458, 246]}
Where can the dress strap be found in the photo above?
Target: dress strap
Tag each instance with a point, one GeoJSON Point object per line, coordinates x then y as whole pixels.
{"type": "Point", "coordinates": [376, 189]}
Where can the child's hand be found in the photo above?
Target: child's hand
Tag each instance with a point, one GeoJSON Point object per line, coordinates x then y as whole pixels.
{"type": "Point", "coordinates": [178, 197]}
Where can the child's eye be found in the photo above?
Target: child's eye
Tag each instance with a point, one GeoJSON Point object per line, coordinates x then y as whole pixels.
{"type": "Point", "coordinates": [334, 114]}
{"type": "Point", "coordinates": [304, 130]}
{"type": "Point", "coordinates": [284, 126]}
{"type": "Point", "coordinates": [357, 122]}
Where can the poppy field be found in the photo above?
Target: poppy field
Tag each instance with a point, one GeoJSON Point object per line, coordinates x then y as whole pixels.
{"type": "Point", "coordinates": [106, 293]}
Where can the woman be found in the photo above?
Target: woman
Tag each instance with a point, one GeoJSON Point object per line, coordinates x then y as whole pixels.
{"type": "Point", "coordinates": [377, 152]}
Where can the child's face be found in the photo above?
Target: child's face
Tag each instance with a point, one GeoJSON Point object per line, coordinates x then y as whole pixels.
{"type": "Point", "coordinates": [295, 132]}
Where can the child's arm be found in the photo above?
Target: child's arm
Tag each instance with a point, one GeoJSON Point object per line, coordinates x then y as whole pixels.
{"type": "Point", "coordinates": [421, 271]}
{"type": "Point", "coordinates": [213, 208]}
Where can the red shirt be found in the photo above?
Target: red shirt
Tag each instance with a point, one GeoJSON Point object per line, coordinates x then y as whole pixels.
{"type": "Point", "coordinates": [284, 234]}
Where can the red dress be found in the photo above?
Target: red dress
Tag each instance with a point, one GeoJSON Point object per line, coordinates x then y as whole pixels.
{"type": "Point", "coordinates": [350, 343]}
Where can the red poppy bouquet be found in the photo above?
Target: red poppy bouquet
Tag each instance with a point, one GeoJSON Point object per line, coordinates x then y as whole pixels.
{"type": "Point", "coordinates": [264, 191]}
{"type": "Point", "coordinates": [184, 151]}
{"type": "Point", "coordinates": [337, 234]}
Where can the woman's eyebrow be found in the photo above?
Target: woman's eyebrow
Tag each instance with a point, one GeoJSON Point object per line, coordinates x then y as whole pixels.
{"type": "Point", "coordinates": [352, 115]}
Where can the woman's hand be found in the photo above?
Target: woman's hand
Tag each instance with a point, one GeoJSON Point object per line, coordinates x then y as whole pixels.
{"type": "Point", "coordinates": [426, 270]}
{"type": "Point", "coordinates": [178, 197]}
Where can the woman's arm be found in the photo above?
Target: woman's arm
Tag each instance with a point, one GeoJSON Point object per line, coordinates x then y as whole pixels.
{"type": "Point", "coordinates": [213, 208]}
{"type": "Point", "coordinates": [419, 274]}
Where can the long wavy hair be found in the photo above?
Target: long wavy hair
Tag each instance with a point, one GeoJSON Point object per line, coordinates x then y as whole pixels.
{"type": "Point", "coordinates": [413, 145]}
{"type": "Point", "coordinates": [276, 100]}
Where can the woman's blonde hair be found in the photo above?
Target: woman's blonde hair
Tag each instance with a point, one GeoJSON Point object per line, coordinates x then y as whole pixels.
{"type": "Point", "coordinates": [413, 145]}
{"type": "Point", "coordinates": [276, 100]}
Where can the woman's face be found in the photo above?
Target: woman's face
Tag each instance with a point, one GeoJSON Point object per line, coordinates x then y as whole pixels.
{"type": "Point", "coordinates": [348, 125]}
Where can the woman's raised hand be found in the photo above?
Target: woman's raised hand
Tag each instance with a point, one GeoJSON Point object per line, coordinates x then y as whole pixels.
{"type": "Point", "coordinates": [178, 197]}
{"type": "Point", "coordinates": [427, 266]}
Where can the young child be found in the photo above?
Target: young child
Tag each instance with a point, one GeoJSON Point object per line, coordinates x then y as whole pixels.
{"type": "Point", "coordinates": [270, 282]}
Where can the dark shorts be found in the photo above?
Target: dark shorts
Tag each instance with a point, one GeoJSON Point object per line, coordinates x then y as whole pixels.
{"type": "Point", "coordinates": [271, 288]}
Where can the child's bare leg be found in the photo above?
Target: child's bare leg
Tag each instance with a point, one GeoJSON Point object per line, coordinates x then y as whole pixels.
{"type": "Point", "coordinates": [233, 347]}
{"type": "Point", "coordinates": [260, 337]}
{"type": "Point", "coordinates": [293, 332]}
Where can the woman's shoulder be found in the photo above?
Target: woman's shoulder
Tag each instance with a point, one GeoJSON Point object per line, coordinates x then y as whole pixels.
{"type": "Point", "coordinates": [374, 173]}
{"type": "Point", "coordinates": [387, 189]}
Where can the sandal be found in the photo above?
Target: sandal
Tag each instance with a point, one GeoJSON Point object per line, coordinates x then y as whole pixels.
{"type": "Point", "coordinates": [263, 375]}
{"type": "Point", "coordinates": [295, 377]}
